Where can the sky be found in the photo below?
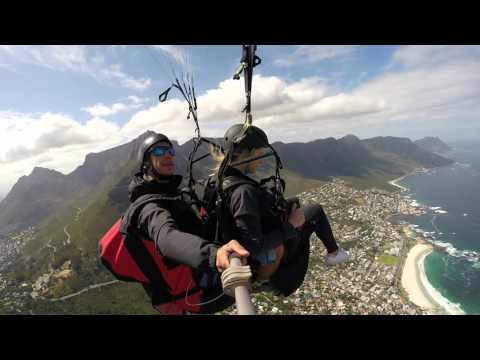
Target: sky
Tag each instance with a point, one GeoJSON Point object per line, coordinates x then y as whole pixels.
{"type": "Point", "coordinates": [59, 103]}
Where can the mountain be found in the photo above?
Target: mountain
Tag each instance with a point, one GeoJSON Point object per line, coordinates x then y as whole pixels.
{"type": "Point", "coordinates": [35, 197]}
{"type": "Point", "coordinates": [323, 158]}
{"type": "Point", "coordinates": [433, 144]}
{"type": "Point", "coordinates": [44, 192]}
{"type": "Point", "coordinates": [71, 212]}
{"type": "Point", "coordinates": [39, 193]}
{"type": "Point", "coordinates": [404, 153]}
{"type": "Point", "coordinates": [352, 157]}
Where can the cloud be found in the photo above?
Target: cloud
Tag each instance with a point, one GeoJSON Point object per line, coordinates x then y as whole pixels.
{"type": "Point", "coordinates": [25, 135]}
{"type": "Point", "coordinates": [54, 141]}
{"type": "Point", "coordinates": [309, 54]}
{"type": "Point", "coordinates": [416, 56]}
{"type": "Point", "coordinates": [178, 54]}
{"type": "Point", "coordinates": [276, 104]}
{"type": "Point", "coordinates": [74, 58]}
{"type": "Point", "coordinates": [434, 83]}
{"type": "Point", "coordinates": [101, 110]}
{"type": "Point", "coordinates": [427, 91]}
{"type": "Point", "coordinates": [114, 73]}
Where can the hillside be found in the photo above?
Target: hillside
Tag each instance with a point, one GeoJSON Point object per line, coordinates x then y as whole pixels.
{"type": "Point", "coordinates": [433, 144]}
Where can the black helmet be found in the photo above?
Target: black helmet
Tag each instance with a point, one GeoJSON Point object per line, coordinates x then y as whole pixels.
{"type": "Point", "coordinates": [147, 144]}
{"type": "Point", "coordinates": [252, 138]}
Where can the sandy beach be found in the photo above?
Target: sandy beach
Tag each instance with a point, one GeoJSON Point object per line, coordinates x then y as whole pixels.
{"type": "Point", "coordinates": [403, 188]}
{"type": "Point", "coordinates": [411, 277]}
{"type": "Point", "coordinates": [394, 182]}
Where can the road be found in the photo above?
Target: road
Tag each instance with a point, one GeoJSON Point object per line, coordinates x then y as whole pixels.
{"type": "Point", "coordinates": [66, 233]}
{"type": "Point", "coordinates": [91, 287]}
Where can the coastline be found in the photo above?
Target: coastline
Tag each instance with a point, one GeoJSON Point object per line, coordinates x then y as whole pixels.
{"type": "Point", "coordinates": [394, 182]}
{"type": "Point", "coordinates": [419, 290]}
{"type": "Point", "coordinates": [403, 188]}
{"type": "Point", "coordinates": [411, 279]}
{"type": "Point", "coordinates": [414, 280]}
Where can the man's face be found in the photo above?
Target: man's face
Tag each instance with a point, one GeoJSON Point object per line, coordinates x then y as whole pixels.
{"type": "Point", "coordinates": [163, 164]}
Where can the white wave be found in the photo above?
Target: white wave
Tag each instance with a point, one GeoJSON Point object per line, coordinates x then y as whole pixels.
{"type": "Point", "coordinates": [476, 265]}
{"type": "Point", "coordinates": [435, 207]}
{"type": "Point", "coordinates": [448, 306]}
{"type": "Point", "coordinates": [441, 211]}
{"type": "Point", "coordinates": [465, 214]}
{"type": "Point", "coordinates": [451, 250]}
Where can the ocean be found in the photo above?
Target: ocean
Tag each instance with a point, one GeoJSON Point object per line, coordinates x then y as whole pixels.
{"type": "Point", "coordinates": [452, 222]}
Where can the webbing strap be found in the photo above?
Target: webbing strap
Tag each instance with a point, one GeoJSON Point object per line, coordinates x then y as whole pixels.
{"type": "Point", "coordinates": [147, 265]}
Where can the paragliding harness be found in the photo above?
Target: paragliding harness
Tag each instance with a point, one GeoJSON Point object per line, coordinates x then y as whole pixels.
{"type": "Point", "coordinates": [132, 257]}
{"type": "Point", "coordinates": [248, 62]}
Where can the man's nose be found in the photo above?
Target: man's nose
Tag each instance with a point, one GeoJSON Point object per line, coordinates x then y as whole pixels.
{"type": "Point", "coordinates": [168, 156]}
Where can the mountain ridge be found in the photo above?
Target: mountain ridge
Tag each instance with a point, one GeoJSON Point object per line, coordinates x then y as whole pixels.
{"type": "Point", "coordinates": [46, 191]}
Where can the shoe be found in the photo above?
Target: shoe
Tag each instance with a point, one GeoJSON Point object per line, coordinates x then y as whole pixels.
{"type": "Point", "coordinates": [337, 258]}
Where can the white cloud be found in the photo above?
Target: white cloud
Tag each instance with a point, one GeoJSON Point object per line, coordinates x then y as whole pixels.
{"type": "Point", "coordinates": [102, 110]}
{"type": "Point", "coordinates": [75, 58]}
{"type": "Point", "coordinates": [434, 84]}
{"type": "Point", "coordinates": [178, 54]}
{"type": "Point", "coordinates": [445, 90]}
{"type": "Point", "coordinates": [114, 73]}
{"type": "Point", "coordinates": [277, 104]}
{"type": "Point", "coordinates": [307, 54]}
{"type": "Point", "coordinates": [54, 141]}
{"type": "Point", "coordinates": [416, 56]}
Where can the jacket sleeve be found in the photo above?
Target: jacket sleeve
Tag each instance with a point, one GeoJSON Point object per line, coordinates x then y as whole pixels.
{"type": "Point", "coordinates": [177, 245]}
{"type": "Point", "coordinates": [245, 209]}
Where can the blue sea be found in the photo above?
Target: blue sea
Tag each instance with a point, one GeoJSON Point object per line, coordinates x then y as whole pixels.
{"type": "Point", "coordinates": [452, 221]}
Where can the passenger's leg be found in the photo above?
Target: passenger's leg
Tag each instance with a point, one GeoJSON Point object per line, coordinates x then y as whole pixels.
{"type": "Point", "coordinates": [316, 220]}
{"type": "Point", "coordinates": [291, 273]}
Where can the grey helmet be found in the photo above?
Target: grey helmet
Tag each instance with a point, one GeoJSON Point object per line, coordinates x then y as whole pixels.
{"type": "Point", "coordinates": [146, 145]}
{"type": "Point", "coordinates": [252, 138]}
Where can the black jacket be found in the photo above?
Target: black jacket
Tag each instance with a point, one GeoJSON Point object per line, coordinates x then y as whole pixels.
{"type": "Point", "coordinates": [172, 225]}
{"type": "Point", "coordinates": [256, 224]}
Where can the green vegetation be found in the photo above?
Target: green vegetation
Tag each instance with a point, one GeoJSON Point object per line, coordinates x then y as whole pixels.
{"type": "Point", "coordinates": [373, 180]}
{"type": "Point", "coordinates": [360, 201]}
{"type": "Point", "coordinates": [297, 184]}
{"type": "Point", "coordinates": [120, 298]}
{"type": "Point", "coordinates": [388, 260]}
{"type": "Point", "coordinates": [48, 250]}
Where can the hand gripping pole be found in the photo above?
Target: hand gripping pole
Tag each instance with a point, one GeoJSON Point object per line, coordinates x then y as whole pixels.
{"type": "Point", "coordinates": [236, 282]}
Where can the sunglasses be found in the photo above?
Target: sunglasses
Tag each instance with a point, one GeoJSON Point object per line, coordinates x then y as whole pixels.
{"type": "Point", "coordinates": [162, 151]}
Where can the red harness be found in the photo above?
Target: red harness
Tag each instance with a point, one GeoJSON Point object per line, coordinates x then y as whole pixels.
{"type": "Point", "coordinates": [134, 258]}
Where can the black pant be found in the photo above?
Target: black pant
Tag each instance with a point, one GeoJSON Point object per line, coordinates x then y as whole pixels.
{"type": "Point", "coordinates": [316, 221]}
{"type": "Point", "coordinates": [291, 272]}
